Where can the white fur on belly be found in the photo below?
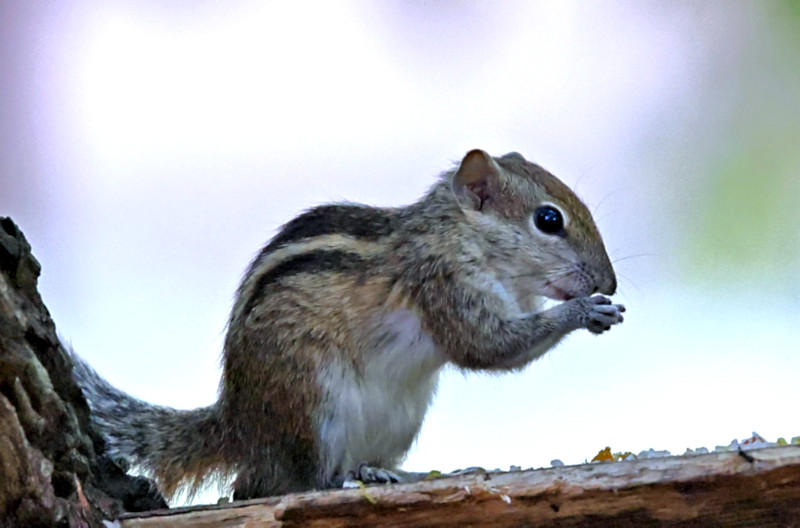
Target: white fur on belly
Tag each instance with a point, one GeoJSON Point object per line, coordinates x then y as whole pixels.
{"type": "Point", "coordinates": [372, 416]}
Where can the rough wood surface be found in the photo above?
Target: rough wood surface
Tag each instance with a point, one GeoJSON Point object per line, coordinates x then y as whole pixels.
{"type": "Point", "coordinates": [711, 490]}
{"type": "Point", "coordinates": [52, 468]}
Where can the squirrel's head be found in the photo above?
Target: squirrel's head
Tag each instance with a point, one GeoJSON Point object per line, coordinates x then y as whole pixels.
{"type": "Point", "coordinates": [538, 233]}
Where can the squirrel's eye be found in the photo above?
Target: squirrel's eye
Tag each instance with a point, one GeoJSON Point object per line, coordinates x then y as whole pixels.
{"type": "Point", "coordinates": [549, 220]}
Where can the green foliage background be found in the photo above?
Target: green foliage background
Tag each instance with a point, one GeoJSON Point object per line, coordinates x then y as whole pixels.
{"type": "Point", "coordinates": [748, 208]}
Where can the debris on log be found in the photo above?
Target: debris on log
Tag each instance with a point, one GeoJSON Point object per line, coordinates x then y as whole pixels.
{"type": "Point", "coordinates": [720, 489]}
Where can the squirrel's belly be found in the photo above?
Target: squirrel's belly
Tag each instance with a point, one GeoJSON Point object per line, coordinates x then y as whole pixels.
{"type": "Point", "coordinates": [373, 415]}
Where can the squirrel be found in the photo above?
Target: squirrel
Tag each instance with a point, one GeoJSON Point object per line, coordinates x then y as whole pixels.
{"type": "Point", "coordinates": [344, 320]}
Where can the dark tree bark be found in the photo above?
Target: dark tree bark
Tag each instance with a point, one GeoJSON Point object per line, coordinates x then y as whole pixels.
{"type": "Point", "coordinates": [53, 470]}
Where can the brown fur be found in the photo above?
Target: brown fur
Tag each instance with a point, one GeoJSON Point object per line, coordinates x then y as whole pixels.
{"type": "Point", "coordinates": [316, 308]}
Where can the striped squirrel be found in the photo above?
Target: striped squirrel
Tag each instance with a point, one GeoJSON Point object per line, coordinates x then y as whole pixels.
{"type": "Point", "coordinates": [344, 320]}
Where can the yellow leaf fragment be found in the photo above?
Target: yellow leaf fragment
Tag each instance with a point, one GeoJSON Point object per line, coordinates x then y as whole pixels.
{"type": "Point", "coordinates": [604, 456]}
{"type": "Point", "coordinates": [366, 494]}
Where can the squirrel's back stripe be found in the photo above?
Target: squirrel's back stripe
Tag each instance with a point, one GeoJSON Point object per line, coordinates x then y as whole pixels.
{"type": "Point", "coordinates": [354, 221]}
{"type": "Point", "coordinates": [319, 261]}
{"type": "Point", "coordinates": [317, 240]}
{"type": "Point", "coordinates": [327, 253]}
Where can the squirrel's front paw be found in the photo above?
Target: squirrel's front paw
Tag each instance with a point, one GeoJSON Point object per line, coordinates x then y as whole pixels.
{"type": "Point", "coordinates": [370, 475]}
{"type": "Point", "coordinates": [600, 314]}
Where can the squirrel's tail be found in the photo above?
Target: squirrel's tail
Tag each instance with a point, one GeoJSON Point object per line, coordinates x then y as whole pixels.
{"type": "Point", "coordinates": [179, 448]}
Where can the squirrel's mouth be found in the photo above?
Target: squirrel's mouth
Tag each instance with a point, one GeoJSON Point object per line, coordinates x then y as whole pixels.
{"type": "Point", "coordinates": [554, 292]}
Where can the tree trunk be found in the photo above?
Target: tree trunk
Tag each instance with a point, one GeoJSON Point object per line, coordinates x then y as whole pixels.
{"type": "Point", "coordinates": [52, 468]}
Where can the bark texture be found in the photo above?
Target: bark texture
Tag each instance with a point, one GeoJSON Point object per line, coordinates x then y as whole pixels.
{"type": "Point", "coordinates": [52, 468]}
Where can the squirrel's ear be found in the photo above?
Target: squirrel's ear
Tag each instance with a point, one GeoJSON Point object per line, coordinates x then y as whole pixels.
{"type": "Point", "coordinates": [475, 180]}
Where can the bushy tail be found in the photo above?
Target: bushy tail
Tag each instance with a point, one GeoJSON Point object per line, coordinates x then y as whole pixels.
{"type": "Point", "coordinates": [179, 448]}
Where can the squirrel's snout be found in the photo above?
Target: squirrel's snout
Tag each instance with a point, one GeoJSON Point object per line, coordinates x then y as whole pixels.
{"type": "Point", "coordinates": [608, 285]}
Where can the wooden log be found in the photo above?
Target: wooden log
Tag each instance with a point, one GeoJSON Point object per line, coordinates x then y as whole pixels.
{"type": "Point", "coordinates": [760, 489]}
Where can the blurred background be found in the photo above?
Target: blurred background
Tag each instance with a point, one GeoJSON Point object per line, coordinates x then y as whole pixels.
{"type": "Point", "coordinates": [148, 149]}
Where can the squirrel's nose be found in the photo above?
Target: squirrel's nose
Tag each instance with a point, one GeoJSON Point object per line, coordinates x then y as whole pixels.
{"type": "Point", "coordinates": [609, 285]}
